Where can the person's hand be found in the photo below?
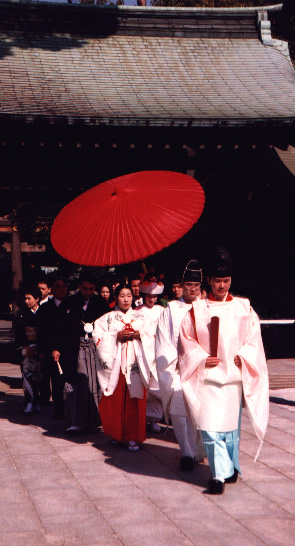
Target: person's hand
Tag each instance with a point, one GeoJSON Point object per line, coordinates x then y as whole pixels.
{"type": "Point", "coordinates": [238, 361]}
{"type": "Point", "coordinates": [128, 335]}
{"type": "Point", "coordinates": [123, 336]}
{"type": "Point", "coordinates": [55, 355]}
{"type": "Point", "coordinates": [212, 361]}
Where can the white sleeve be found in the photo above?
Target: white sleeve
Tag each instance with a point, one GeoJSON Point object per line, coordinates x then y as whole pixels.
{"type": "Point", "coordinates": [255, 376]}
{"type": "Point", "coordinates": [100, 327]}
{"type": "Point", "coordinates": [166, 352]}
{"type": "Point", "coordinates": [166, 358]}
{"type": "Point", "coordinates": [106, 347]}
{"type": "Point", "coordinates": [191, 355]}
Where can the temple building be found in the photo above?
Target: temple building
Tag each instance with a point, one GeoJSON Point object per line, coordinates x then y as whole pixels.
{"type": "Point", "coordinates": [92, 92]}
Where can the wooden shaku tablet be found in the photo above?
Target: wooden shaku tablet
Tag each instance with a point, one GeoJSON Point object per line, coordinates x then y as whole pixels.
{"type": "Point", "coordinates": [214, 335]}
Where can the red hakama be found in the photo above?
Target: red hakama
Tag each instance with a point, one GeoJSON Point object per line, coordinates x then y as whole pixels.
{"type": "Point", "coordinates": [123, 418]}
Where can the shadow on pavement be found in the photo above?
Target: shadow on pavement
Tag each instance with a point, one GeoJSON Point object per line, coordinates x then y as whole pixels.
{"type": "Point", "coordinates": [12, 382]}
{"type": "Point", "coordinates": [154, 460]}
{"type": "Point", "coordinates": [158, 457]}
{"type": "Point", "coordinates": [282, 401]}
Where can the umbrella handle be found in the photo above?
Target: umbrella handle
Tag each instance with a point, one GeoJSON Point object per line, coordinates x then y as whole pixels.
{"type": "Point", "coordinates": [143, 266]}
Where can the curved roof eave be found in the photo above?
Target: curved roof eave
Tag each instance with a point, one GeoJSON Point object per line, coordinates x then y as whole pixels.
{"type": "Point", "coordinates": [142, 71]}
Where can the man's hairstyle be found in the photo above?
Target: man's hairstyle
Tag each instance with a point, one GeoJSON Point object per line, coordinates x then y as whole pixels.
{"type": "Point", "coordinates": [175, 278]}
{"type": "Point", "coordinates": [86, 276]}
{"type": "Point", "coordinates": [44, 280]}
{"type": "Point", "coordinates": [134, 277]}
{"type": "Point", "coordinates": [56, 278]}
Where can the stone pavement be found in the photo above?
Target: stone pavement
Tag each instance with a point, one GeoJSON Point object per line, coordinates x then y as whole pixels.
{"type": "Point", "coordinates": [83, 491]}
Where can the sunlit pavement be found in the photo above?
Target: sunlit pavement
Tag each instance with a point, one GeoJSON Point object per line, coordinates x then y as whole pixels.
{"type": "Point", "coordinates": [83, 491]}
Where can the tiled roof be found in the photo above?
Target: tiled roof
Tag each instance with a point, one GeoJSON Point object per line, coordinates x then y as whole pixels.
{"type": "Point", "coordinates": [143, 66]}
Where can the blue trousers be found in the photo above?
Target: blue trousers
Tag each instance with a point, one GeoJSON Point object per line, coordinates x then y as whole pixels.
{"type": "Point", "coordinates": [222, 450]}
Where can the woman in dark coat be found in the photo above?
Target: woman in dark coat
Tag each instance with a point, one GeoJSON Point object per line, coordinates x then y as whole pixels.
{"type": "Point", "coordinates": [26, 343]}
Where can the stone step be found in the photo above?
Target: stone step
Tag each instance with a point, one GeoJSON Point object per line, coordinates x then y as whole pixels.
{"type": "Point", "coordinates": [284, 381]}
{"type": "Point", "coordinates": [275, 383]}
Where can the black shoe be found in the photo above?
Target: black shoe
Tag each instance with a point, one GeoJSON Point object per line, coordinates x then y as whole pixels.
{"type": "Point", "coordinates": [187, 463]}
{"type": "Point", "coordinates": [233, 478]}
{"type": "Point", "coordinates": [215, 487]}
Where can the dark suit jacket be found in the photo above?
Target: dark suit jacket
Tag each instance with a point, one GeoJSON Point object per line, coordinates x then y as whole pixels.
{"type": "Point", "coordinates": [46, 334]}
{"type": "Point", "coordinates": [70, 328]}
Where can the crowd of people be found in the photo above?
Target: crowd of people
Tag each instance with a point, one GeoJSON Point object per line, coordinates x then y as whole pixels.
{"type": "Point", "coordinates": [129, 355]}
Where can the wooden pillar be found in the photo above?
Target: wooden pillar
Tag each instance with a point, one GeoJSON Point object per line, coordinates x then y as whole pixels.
{"type": "Point", "coordinates": [141, 2]}
{"type": "Point", "coordinates": [16, 269]}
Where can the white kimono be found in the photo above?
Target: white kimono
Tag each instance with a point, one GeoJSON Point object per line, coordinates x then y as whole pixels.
{"type": "Point", "coordinates": [154, 408]}
{"type": "Point", "coordinates": [152, 316]}
{"type": "Point", "coordinates": [167, 358]}
{"type": "Point", "coordinates": [169, 378]}
{"type": "Point", "coordinates": [129, 357]}
{"type": "Point", "coordinates": [213, 395]}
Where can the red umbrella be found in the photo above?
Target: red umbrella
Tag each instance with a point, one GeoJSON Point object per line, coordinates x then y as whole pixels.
{"type": "Point", "coordinates": [127, 218]}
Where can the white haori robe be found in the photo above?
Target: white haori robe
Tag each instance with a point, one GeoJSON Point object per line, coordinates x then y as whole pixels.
{"type": "Point", "coordinates": [213, 395]}
{"type": "Point", "coordinates": [154, 408]}
{"type": "Point", "coordinates": [152, 316]}
{"type": "Point", "coordinates": [129, 357]}
{"type": "Point", "coordinates": [167, 357]}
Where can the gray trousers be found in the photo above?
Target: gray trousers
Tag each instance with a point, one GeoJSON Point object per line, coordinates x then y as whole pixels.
{"type": "Point", "coordinates": [81, 400]}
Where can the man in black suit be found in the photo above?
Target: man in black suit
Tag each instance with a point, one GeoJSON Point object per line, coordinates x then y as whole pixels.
{"type": "Point", "coordinates": [77, 353]}
{"type": "Point", "coordinates": [46, 334]}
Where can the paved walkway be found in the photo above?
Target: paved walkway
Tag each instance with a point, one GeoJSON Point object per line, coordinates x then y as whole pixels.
{"type": "Point", "coordinates": [57, 491]}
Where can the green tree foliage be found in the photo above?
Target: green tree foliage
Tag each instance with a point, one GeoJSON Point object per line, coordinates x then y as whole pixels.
{"type": "Point", "coordinates": [34, 222]}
